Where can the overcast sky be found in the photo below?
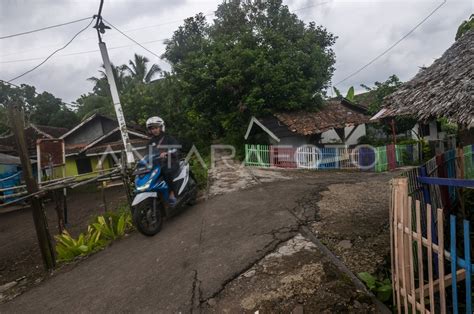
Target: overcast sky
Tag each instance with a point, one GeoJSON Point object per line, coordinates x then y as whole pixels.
{"type": "Point", "coordinates": [364, 30]}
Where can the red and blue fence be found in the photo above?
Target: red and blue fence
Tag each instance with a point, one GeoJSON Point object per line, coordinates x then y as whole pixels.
{"type": "Point", "coordinates": [437, 189]}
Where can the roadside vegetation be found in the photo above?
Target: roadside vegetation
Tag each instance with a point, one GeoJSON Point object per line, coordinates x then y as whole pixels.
{"type": "Point", "coordinates": [101, 232]}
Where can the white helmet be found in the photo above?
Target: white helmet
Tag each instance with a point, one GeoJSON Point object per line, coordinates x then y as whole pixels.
{"type": "Point", "coordinates": [156, 122]}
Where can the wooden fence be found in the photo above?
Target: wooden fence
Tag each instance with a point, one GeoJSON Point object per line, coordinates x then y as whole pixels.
{"type": "Point", "coordinates": [311, 157]}
{"type": "Point", "coordinates": [428, 274]}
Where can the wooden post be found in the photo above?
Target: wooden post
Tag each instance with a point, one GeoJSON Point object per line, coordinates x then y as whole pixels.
{"type": "Point", "coordinates": [39, 217]}
{"type": "Point", "coordinates": [102, 185]}
{"type": "Point", "coordinates": [394, 132]}
{"type": "Point", "coordinates": [65, 213]}
{"type": "Point", "coordinates": [126, 179]}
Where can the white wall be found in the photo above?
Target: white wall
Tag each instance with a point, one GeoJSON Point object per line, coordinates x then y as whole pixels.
{"type": "Point", "coordinates": [434, 135]}
{"type": "Point", "coordinates": [331, 137]}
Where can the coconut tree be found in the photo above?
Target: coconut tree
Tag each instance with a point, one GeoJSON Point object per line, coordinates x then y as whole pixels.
{"type": "Point", "coordinates": [138, 69]}
{"type": "Point", "coordinates": [101, 86]}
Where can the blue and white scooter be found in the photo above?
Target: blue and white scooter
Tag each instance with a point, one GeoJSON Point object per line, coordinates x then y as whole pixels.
{"type": "Point", "coordinates": [150, 205]}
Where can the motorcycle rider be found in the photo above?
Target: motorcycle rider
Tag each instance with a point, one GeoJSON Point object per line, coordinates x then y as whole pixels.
{"type": "Point", "coordinates": [165, 146]}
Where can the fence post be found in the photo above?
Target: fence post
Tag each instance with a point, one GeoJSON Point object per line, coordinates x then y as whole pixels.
{"type": "Point", "coordinates": [467, 257]}
{"type": "Point", "coordinates": [426, 191]}
{"type": "Point", "coordinates": [454, 263]}
{"type": "Point", "coordinates": [440, 163]}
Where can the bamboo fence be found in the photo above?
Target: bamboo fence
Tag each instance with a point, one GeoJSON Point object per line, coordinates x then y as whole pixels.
{"type": "Point", "coordinates": [426, 274]}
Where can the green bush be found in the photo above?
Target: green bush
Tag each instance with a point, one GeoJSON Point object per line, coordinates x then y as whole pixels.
{"type": "Point", "coordinates": [200, 172]}
{"type": "Point", "coordinates": [381, 289]}
{"type": "Point", "coordinates": [101, 232]}
{"type": "Point", "coordinates": [67, 248]}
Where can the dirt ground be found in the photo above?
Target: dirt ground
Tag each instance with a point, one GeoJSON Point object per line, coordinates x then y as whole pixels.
{"type": "Point", "coordinates": [352, 221]}
{"type": "Point", "coordinates": [296, 278]}
{"type": "Point", "coordinates": [20, 259]}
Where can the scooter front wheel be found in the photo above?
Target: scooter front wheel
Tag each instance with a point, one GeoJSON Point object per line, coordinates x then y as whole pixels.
{"type": "Point", "coordinates": [148, 217]}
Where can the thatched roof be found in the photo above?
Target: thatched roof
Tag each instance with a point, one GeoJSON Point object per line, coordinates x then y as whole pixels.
{"type": "Point", "coordinates": [444, 89]}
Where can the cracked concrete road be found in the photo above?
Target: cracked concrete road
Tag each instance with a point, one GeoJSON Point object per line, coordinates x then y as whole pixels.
{"type": "Point", "coordinates": [192, 259]}
{"type": "Point", "coordinates": [201, 249]}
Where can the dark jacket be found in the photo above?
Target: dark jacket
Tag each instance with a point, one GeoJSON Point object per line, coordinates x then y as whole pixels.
{"type": "Point", "coordinates": [161, 143]}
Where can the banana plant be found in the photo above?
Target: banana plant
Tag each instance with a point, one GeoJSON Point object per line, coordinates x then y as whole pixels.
{"type": "Point", "coordinates": [350, 93]}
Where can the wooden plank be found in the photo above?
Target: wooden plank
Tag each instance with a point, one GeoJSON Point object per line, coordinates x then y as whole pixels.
{"type": "Point", "coordinates": [419, 242]}
{"type": "Point", "coordinates": [430, 258]}
{"type": "Point", "coordinates": [392, 255]}
{"type": "Point", "coordinates": [442, 288]}
{"type": "Point", "coordinates": [396, 237]}
{"type": "Point", "coordinates": [411, 299]}
{"type": "Point", "coordinates": [403, 254]}
{"type": "Point", "coordinates": [460, 163]}
{"type": "Point", "coordinates": [411, 271]}
{"type": "Point", "coordinates": [448, 280]}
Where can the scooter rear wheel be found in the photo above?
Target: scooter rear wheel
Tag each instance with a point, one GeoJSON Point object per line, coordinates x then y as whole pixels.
{"type": "Point", "coordinates": [148, 220]}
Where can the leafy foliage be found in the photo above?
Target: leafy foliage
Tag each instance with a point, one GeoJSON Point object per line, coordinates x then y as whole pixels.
{"type": "Point", "coordinates": [104, 229]}
{"type": "Point", "coordinates": [200, 172]}
{"type": "Point", "coordinates": [113, 225]}
{"type": "Point", "coordinates": [465, 26]}
{"type": "Point", "coordinates": [350, 94]}
{"type": "Point", "coordinates": [256, 58]}
{"type": "Point", "coordinates": [67, 248]}
{"type": "Point", "coordinates": [381, 289]}
{"type": "Point", "coordinates": [376, 95]}
{"type": "Point", "coordinates": [380, 90]}
{"type": "Point", "coordinates": [41, 109]}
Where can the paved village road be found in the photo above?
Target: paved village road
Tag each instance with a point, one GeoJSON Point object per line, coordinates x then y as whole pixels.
{"type": "Point", "coordinates": [192, 258]}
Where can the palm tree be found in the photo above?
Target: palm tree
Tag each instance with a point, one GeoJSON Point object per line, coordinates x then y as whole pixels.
{"type": "Point", "coordinates": [139, 71]}
{"type": "Point", "coordinates": [101, 86]}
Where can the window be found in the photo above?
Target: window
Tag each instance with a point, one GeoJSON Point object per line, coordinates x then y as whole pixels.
{"type": "Point", "coordinates": [83, 165]}
{"type": "Point", "coordinates": [425, 130]}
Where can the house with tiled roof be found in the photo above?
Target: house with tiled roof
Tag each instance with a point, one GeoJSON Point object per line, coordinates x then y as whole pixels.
{"type": "Point", "coordinates": [339, 121]}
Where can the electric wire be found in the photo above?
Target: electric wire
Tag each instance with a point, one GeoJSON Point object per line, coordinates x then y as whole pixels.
{"type": "Point", "coordinates": [391, 47]}
{"type": "Point", "coordinates": [83, 52]}
{"type": "Point", "coordinates": [59, 49]}
{"type": "Point", "coordinates": [44, 28]}
{"type": "Point", "coordinates": [86, 38]}
{"type": "Point", "coordinates": [130, 38]}
{"type": "Point", "coordinates": [130, 30]}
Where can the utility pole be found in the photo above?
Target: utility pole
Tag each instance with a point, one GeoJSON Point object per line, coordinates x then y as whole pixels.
{"type": "Point", "coordinates": [39, 217]}
{"type": "Point", "coordinates": [101, 27]}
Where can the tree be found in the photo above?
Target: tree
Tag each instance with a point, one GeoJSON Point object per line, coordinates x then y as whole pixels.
{"type": "Point", "coordinates": [380, 90]}
{"type": "Point", "coordinates": [138, 69]}
{"type": "Point", "coordinates": [255, 59]}
{"type": "Point", "coordinates": [42, 109]}
{"type": "Point", "coordinates": [101, 85]}
{"type": "Point", "coordinates": [92, 103]}
{"type": "Point", "coordinates": [465, 26]}
{"type": "Point", "coordinates": [378, 93]}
